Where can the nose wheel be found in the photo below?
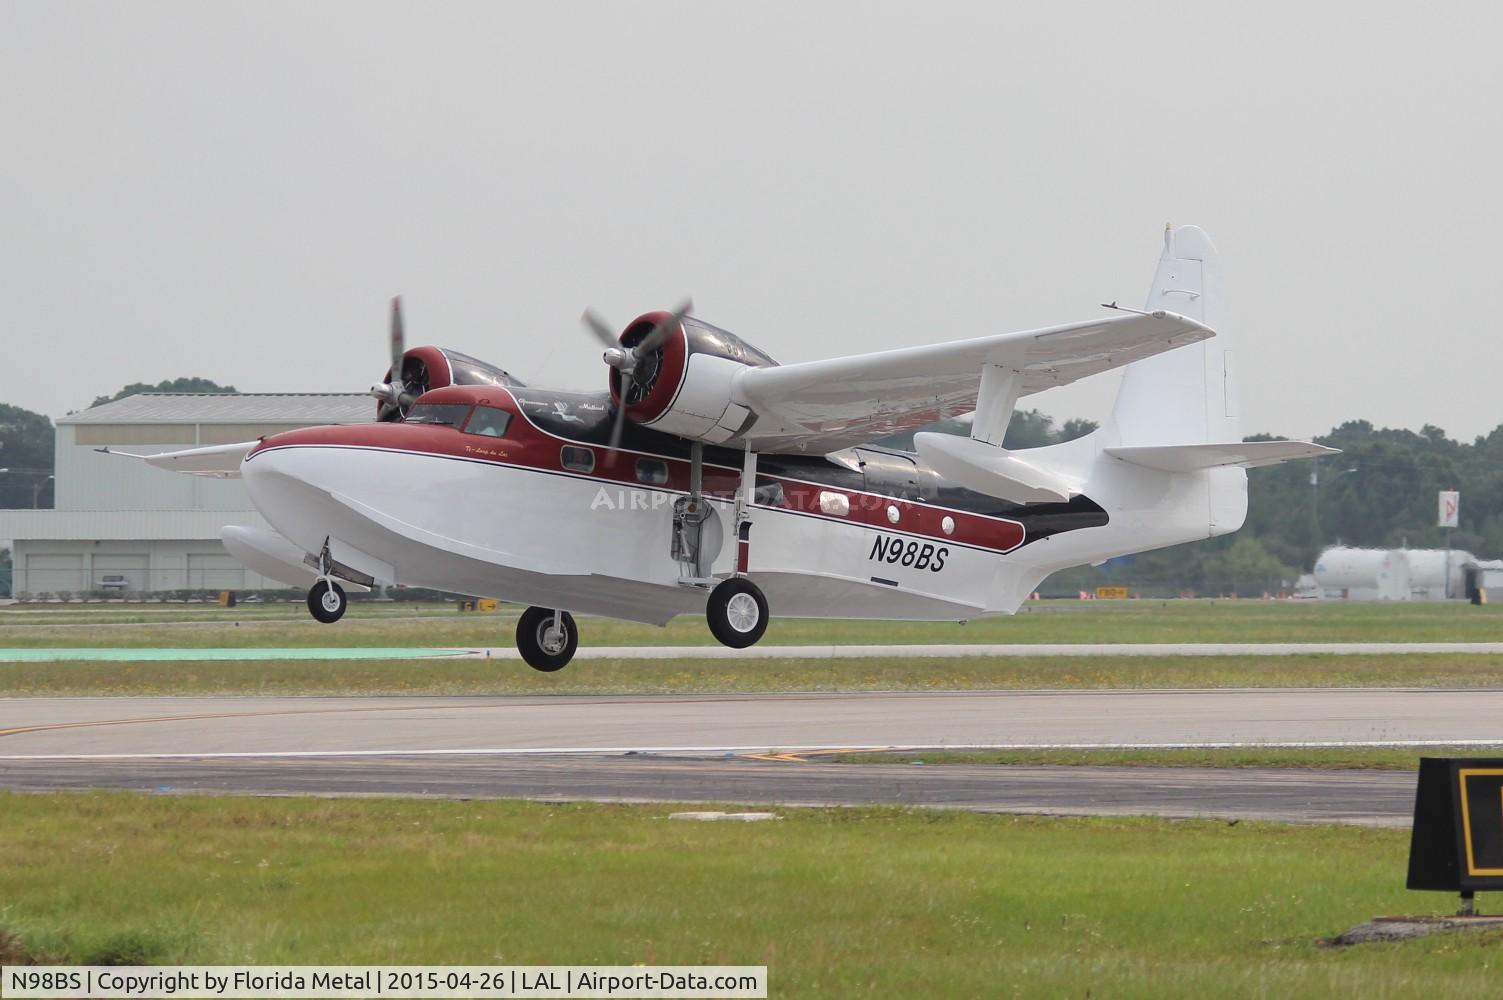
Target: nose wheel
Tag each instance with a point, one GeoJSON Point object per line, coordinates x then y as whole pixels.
{"type": "Point", "coordinates": [547, 638]}
{"type": "Point", "coordinates": [737, 611]}
{"type": "Point", "coordinates": [327, 602]}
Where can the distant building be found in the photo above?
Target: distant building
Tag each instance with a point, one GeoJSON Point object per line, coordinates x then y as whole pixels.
{"type": "Point", "coordinates": [121, 526]}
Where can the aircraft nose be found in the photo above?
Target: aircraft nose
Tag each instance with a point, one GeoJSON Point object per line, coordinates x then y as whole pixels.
{"type": "Point", "coordinates": [263, 464]}
{"type": "Point", "coordinates": [277, 460]}
{"type": "Point", "coordinates": [284, 487]}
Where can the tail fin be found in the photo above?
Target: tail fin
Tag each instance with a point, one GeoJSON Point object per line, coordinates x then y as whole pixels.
{"type": "Point", "coordinates": [1188, 396]}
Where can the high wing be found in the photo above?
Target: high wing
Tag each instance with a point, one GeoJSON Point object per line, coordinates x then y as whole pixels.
{"type": "Point", "coordinates": [824, 406]}
{"type": "Point", "coordinates": [220, 461]}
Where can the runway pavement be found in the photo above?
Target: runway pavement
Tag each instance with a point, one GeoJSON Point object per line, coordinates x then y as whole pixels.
{"type": "Point", "coordinates": [198, 726]}
{"type": "Point", "coordinates": [714, 747]}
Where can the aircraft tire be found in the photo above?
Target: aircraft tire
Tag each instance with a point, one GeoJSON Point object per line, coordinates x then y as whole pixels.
{"type": "Point", "coordinates": [737, 612]}
{"type": "Point", "coordinates": [327, 602]}
{"type": "Point", "coordinates": [538, 647]}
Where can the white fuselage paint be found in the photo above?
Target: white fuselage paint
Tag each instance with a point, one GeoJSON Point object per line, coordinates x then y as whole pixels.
{"type": "Point", "coordinates": [558, 540]}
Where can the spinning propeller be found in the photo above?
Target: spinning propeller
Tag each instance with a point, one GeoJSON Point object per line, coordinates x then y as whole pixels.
{"type": "Point", "coordinates": [627, 360]}
{"type": "Point", "coordinates": [398, 395]}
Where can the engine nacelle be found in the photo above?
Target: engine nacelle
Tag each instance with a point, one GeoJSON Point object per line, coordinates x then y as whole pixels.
{"type": "Point", "coordinates": [683, 387]}
{"type": "Point", "coordinates": [428, 368]}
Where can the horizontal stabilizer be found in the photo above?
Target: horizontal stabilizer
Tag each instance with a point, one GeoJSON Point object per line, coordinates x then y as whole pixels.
{"type": "Point", "coordinates": [220, 461]}
{"type": "Point", "coordinates": [1246, 454]}
{"type": "Point", "coordinates": [991, 470]}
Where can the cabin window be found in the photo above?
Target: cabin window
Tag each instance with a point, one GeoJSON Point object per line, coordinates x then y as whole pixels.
{"type": "Point", "coordinates": [452, 414]}
{"type": "Point", "coordinates": [488, 421]}
{"type": "Point", "coordinates": [577, 459]}
{"type": "Point", "coordinates": [652, 472]}
{"type": "Point", "coordinates": [769, 494]}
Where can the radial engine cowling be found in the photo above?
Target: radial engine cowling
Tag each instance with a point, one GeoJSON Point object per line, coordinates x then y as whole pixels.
{"type": "Point", "coordinates": [428, 368]}
{"type": "Point", "coordinates": [683, 386]}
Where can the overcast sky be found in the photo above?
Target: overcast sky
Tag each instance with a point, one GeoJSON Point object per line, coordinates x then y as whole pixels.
{"type": "Point", "coordinates": [234, 191]}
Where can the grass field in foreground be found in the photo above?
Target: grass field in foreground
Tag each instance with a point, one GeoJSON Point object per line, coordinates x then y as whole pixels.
{"type": "Point", "coordinates": [853, 902]}
{"type": "Point", "coordinates": [478, 677]}
{"type": "Point", "coordinates": [1327, 758]}
{"type": "Point", "coordinates": [372, 624]}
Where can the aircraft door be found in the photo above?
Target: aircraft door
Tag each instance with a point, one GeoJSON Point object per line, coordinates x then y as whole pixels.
{"type": "Point", "coordinates": [895, 476]}
{"type": "Point", "coordinates": [889, 475]}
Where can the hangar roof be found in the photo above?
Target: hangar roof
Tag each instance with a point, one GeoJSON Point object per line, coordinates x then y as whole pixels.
{"type": "Point", "coordinates": [305, 408]}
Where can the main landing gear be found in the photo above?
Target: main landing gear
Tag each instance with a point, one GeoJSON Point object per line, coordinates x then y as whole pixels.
{"type": "Point", "coordinates": [327, 601]}
{"type": "Point", "coordinates": [737, 612]}
{"type": "Point", "coordinates": [546, 639]}
{"type": "Point", "coordinates": [736, 608]}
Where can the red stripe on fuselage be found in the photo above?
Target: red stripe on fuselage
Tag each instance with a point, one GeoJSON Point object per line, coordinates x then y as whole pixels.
{"type": "Point", "coordinates": [528, 447]}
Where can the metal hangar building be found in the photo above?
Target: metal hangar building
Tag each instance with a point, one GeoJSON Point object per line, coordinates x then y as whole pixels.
{"type": "Point", "coordinates": [120, 526]}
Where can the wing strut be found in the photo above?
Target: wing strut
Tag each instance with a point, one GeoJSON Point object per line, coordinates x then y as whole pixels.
{"type": "Point", "coordinates": [743, 510]}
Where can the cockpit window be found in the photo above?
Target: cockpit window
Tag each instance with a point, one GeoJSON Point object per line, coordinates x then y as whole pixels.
{"type": "Point", "coordinates": [452, 414]}
{"type": "Point", "coordinates": [489, 421]}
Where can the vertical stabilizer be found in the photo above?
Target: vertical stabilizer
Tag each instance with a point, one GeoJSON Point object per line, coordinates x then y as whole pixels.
{"type": "Point", "coordinates": [1188, 396]}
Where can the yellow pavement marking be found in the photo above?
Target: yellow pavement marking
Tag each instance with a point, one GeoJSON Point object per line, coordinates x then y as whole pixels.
{"type": "Point", "coordinates": [802, 756]}
{"type": "Point", "coordinates": [48, 727]}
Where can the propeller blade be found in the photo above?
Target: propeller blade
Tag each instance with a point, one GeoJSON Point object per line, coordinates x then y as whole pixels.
{"type": "Point", "coordinates": [649, 343]}
{"type": "Point", "coordinates": [398, 341]}
{"type": "Point", "coordinates": [599, 328]}
{"type": "Point", "coordinates": [620, 414]}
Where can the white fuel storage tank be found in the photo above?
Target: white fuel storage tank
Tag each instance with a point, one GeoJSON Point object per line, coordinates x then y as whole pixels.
{"type": "Point", "coordinates": [1364, 574]}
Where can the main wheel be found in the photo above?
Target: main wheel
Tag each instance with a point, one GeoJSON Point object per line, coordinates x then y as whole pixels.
{"type": "Point", "coordinates": [327, 601]}
{"type": "Point", "coordinates": [737, 612]}
{"type": "Point", "coordinates": [544, 647]}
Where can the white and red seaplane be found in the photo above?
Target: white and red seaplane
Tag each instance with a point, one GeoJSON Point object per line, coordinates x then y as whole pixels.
{"type": "Point", "coordinates": [712, 480]}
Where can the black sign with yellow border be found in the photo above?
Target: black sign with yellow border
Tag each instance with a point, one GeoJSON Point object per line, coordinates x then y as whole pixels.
{"type": "Point", "coordinates": [1457, 843]}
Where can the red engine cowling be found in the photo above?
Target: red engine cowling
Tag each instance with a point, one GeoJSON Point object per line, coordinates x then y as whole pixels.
{"type": "Point", "coordinates": [423, 368]}
{"type": "Point", "coordinates": [683, 386]}
{"type": "Point", "coordinates": [428, 368]}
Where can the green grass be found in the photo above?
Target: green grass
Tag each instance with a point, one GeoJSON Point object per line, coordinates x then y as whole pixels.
{"type": "Point", "coordinates": [429, 625]}
{"type": "Point", "coordinates": [475, 677]}
{"type": "Point", "coordinates": [370, 624]}
{"type": "Point", "coordinates": [1325, 758]}
{"type": "Point", "coordinates": [122, 613]}
{"type": "Point", "coordinates": [841, 903]}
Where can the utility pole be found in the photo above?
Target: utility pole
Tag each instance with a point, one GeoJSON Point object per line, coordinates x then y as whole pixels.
{"type": "Point", "coordinates": [1315, 510]}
